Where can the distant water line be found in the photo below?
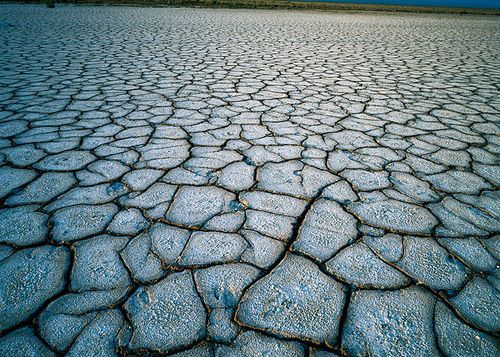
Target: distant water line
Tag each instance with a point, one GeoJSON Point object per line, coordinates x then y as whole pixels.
{"type": "Point", "coordinates": [484, 4]}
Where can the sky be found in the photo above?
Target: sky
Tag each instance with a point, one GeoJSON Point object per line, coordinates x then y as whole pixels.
{"type": "Point", "coordinates": [494, 4]}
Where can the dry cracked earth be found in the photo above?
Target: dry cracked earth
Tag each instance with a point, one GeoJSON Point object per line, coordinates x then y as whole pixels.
{"type": "Point", "coordinates": [248, 183]}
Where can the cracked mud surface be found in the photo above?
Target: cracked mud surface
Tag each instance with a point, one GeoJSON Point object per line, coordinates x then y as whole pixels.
{"type": "Point", "coordinates": [248, 183]}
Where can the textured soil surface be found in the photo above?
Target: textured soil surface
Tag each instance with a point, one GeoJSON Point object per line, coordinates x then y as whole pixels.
{"type": "Point", "coordinates": [248, 183]}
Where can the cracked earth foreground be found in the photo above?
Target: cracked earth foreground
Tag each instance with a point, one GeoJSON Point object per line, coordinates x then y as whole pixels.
{"type": "Point", "coordinates": [248, 183]}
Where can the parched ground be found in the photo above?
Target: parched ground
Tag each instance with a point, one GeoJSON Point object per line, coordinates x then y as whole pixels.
{"type": "Point", "coordinates": [248, 183]}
